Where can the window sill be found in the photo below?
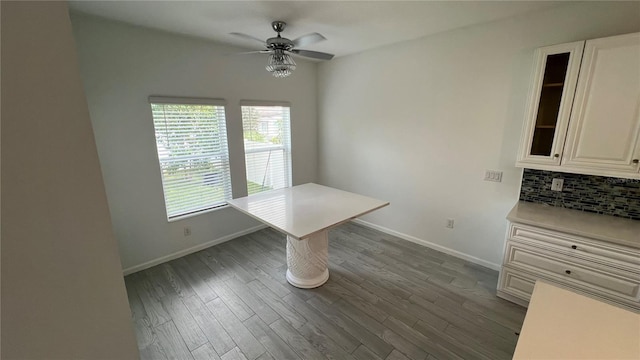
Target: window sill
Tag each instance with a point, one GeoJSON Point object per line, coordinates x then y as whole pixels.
{"type": "Point", "coordinates": [198, 213]}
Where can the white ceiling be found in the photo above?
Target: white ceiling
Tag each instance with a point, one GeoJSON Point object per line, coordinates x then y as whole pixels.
{"type": "Point", "coordinates": [349, 26]}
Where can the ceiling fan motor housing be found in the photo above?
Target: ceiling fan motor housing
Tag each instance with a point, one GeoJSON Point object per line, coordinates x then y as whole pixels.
{"type": "Point", "coordinates": [279, 43]}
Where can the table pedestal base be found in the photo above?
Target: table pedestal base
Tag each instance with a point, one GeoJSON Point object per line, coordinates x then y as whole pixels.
{"type": "Point", "coordinates": [307, 260]}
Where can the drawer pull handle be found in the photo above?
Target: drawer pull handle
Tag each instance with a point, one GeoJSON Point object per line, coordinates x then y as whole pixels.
{"type": "Point", "coordinates": [574, 247]}
{"type": "Point", "coordinates": [568, 272]}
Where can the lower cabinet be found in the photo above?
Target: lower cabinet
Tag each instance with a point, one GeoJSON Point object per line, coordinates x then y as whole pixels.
{"type": "Point", "coordinates": [603, 270]}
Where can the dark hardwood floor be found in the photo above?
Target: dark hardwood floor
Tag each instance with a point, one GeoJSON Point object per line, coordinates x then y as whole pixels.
{"type": "Point", "coordinates": [386, 298]}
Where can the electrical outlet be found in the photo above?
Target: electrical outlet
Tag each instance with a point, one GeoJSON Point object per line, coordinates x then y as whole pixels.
{"type": "Point", "coordinates": [187, 231]}
{"type": "Point", "coordinates": [449, 223]}
{"type": "Point", "coordinates": [556, 184]}
{"type": "Point", "coordinates": [493, 175]}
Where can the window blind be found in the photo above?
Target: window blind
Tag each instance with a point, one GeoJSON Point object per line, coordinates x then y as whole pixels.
{"type": "Point", "coordinates": [191, 139]}
{"type": "Point", "coordinates": [267, 146]}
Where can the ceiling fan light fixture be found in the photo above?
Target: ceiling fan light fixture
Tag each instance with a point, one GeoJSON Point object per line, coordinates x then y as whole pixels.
{"type": "Point", "coordinates": [280, 64]}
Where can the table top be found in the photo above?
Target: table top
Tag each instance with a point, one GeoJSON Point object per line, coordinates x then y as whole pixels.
{"type": "Point", "coordinates": [302, 210]}
{"type": "Point", "coordinates": [596, 226]}
{"type": "Point", "coordinates": [561, 324]}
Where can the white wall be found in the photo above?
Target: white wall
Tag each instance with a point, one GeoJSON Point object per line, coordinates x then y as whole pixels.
{"type": "Point", "coordinates": [121, 66]}
{"type": "Point", "coordinates": [417, 123]}
{"type": "Point", "coordinates": [63, 296]}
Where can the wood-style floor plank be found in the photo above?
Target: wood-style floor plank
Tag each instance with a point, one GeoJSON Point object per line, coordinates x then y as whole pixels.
{"type": "Point", "coordinates": [156, 314]}
{"type": "Point", "coordinates": [184, 322]}
{"type": "Point", "coordinates": [257, 273]}
{"type": "Point", "coordinates": [418, 339]}
{"type": "Point", "coordinates": [296, 341]}
{"type": "Point", "coordinates": [254, 252]}
{"type": "Point", "coordinates": [148, 343]}
{"type": "Point", "coordinates": [406, 347]}
{"type": "Point", "coordinates": [232, 300]}
{"type": "Point", "coordinates": [269, 339]}
{"type": "Point", "coordinates": [363, 353]}
{"type": "Point", "coordinates": [458, 346]}
{"type": "Point", "coordinates": [210, 326]}
{"type": "Point", "coordinates": [279, 275]}
{"type": "Point", "coordinates": [234, 354]}
{"type": "Point", "coordinates": [209, 258]}
{"type": "Point", "coordinates": [386, 298]}
{"type": "Point", "coordinates": [205, 352]}
{"type": "Point", "coordinates": [287, 312]}
{"type": "Point", "coordinates": [323, 343]}
{"type": "Point", "coordinates": [475, 330]}
{"type": "Point", "coordinates": [172, 342]}
{"type": "Point", "coordinates": [396, 355]}
{"type": "Point", "coordinates": [496, 348]}
{"type": "Point", "coordinates": [191, 276]}
{"type": "Point", "coordinates": [247, 343]}
{"type": "Point", "coordinates": [179, 285]}
{"type": "Point", "coordinates": [253, 301]}
{"type": "Point", "coordinates": [340, 336]}
{"type": "Point", "coordinates": [345, 295]}
{"type": "Point", "coordinates": [366, 337]}
{"type": "Point", "coordinates": [135, 304]}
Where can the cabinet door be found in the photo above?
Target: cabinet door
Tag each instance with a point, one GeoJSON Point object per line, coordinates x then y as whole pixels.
{"type": "Point", "coordinates": [550, 99]}
{"type": "Point", "coordinates": [605, 122]}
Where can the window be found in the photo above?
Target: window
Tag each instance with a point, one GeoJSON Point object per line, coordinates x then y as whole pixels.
{"type": "Point", "coordinates": [191, 138]}
{"type": "Point", "coordinates": [267, 146]}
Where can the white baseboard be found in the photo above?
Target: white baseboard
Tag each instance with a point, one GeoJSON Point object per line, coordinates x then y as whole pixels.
{"type": "Point", "coordinates": [190, 250]}
{"type": "Point", "coordinates": [410, 238]}
{"type": "Point", "coordinates": [429, 244]}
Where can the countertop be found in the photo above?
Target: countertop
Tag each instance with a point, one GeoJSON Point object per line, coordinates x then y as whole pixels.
{"type": "Point", "coordinates": [602, 227]}
{"type": "Point", "coordinates": [561, 324]}
{"type": "Point", "coordinates": [303, 210]}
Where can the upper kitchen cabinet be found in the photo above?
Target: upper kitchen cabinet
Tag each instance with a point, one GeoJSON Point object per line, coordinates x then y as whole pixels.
{"type": "Point", "coordinates": [604, 128]}
{"type": "Point", "coordinates": [592, 127]}
{"type": "Point", "coordinates": [551, 95]}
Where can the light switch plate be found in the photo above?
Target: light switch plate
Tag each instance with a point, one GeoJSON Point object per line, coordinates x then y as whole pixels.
{"type": "Point", "coordinates": [449, 223]}
{"type": "Point", "coordinates": [493, 175]}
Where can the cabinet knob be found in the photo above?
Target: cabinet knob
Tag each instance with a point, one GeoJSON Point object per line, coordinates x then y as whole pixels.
{"type": "Point", "coordinates": [574, 247]}
{"type": "Point", "coordinates": [568, 272]}
{"type": "Point", "coordinates": [635, 161]}
{"type": "Point", "coordinates": [556, 155]}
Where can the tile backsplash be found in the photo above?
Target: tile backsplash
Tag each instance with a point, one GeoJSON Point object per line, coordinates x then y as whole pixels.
{"type": "Point", "coordinates": [597, 194]}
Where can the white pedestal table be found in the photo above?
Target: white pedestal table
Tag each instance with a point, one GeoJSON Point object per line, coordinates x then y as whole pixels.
{"type": "Point", "coordinates": [306, 213]}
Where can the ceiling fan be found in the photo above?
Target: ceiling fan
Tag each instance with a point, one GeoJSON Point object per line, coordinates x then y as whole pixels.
{"type": "Point", "coordinates": [281, 63]}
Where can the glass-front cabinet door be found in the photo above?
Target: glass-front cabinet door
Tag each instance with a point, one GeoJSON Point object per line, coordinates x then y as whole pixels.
{"type": "Point", "coordinates": [550, 99]}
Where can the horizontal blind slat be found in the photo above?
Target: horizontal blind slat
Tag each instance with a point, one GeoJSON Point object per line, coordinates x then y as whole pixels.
{"type": "Point", "coordinates": [154, 99]}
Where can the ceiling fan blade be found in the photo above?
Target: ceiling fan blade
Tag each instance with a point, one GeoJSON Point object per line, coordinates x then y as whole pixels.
{"type": "Point", "coordinates": [308, 39]}
{"type": "Point", "coordinates": [253, 52]}
{"type": "Point", "coordinates": [312, 54]}
{"type": "Point", "coordinates": [248, 37]}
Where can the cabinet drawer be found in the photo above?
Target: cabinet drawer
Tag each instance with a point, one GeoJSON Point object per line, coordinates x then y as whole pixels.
{"type": "Point", "coordinates": [516, 283]}
{"type": "Point", "coordinates": [603, 253]}
{"type": "Point", "coordinates": [600, 279]}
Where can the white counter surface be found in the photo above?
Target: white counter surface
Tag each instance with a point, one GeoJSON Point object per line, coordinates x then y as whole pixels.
{"type": "Point", "coordinates": [561, 324]}
{"type": "Point", "coordinates": [303, 210]}
{"type": "Point", "coordinates": [602, 227]}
